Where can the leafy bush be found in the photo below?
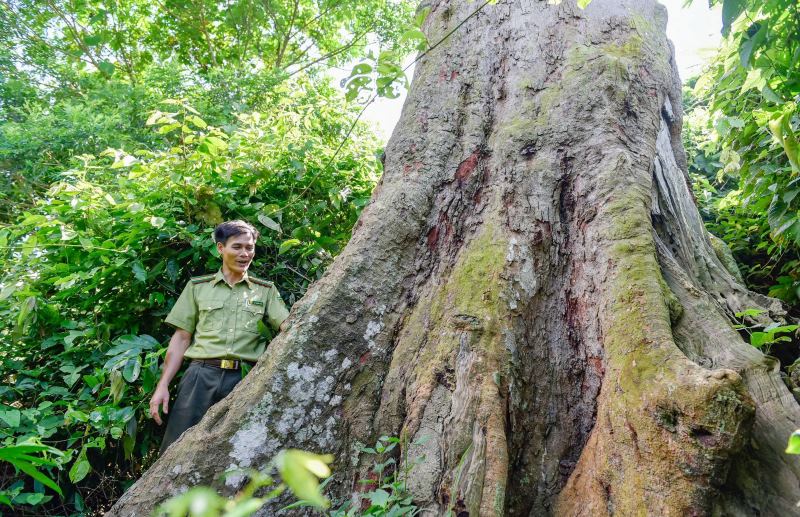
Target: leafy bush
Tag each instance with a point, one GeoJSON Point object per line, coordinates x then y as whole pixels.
{"type": "Point", "coordinates": [745, 122]}
{"type": "Point", "coordinates": [300, 471]}
{"type": "Point", "coordinates": [92, 268]}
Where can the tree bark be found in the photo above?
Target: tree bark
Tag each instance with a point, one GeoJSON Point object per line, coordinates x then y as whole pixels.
{"type": "Point", "coordinates": [531, 288]}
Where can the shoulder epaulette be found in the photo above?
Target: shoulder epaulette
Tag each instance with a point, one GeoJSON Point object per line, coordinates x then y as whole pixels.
{"type": "Point", "coordinates": [201, 279]}
{"type": "Point", "coordinates": [265, 283]}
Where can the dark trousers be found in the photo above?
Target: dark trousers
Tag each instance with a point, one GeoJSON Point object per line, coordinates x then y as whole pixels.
{"type": "Point", "coordinates": [201, 387]}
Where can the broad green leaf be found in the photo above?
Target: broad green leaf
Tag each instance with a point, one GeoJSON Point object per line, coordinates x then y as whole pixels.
{"type": "Point", "coordinates": [583, 3]}
{"type": "Point", "coordinates": [378, 497]}
{"type": "Point", "coordinates": [197, 121]}
{"type": "Point", "coordinates": [131, 369]}
{"type": "Point", "coordinates": [731, 9]}
{"type": "Point", "coordinates": [361, 69]}
{"type": "Point", "coordinates": [117, 386]}
{"type": "Point", "coordinates": [153, 118]}
{"type": "Point", "coordinates": [217, 142]}
{"type": "Point", "coordinates": [92, 40]}
{"type": "Point", "coordinates": [37, 475]}
{"type": "Point", "coordinates": [754, 79]}
{"type": "Point", "coordinates": [10, 417]}
{"type": "Point", "coordinates": [287, 245]}
{"type": "Point", "coordinates": [269, 222]}
{"type": "Point", "coordinates": [139, 271]}
{"type": "Point", "coordinates": [81, 468]}
{"type": "Point", "coordinates": [300, 471]}
{"type": "Point", "coordinates": [793, 447]}
{"type": "Point", "coordinates": [106, 67]}
{"type": "Point", "coordinates": [245, 508]}
{"type": "Point", "coordinates": [757, 339]}
{"type": "Point", "coordinates": [168, 128]}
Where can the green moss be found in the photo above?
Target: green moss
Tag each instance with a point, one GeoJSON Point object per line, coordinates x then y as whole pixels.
{"type": "Point", "coordinates": [639, 316]}
{"type": "Point", "coordinates": [673, 304]}
{"type": "Point", "coordinates": [365, 381]}
{"type": "Point", "coordinates": [629, 49]}
{"type": "Point", "coordinates": [499, 502]}
{"type": "Point", "coordinates": [724, 254]}
{"type": "Point", "coordinates": [474, 284]}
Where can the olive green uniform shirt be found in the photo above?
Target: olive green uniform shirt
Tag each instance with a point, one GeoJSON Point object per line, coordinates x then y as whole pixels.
{"type": "Point", "coordinates": [223, 319]}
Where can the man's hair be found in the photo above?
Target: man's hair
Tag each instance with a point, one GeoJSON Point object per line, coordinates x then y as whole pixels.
{"type": "Point", "coordinates": [228, 229]}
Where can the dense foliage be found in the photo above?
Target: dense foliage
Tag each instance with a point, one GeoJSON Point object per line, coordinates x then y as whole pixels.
{"type": "Point", "coordinates": [741, 135]}
{"type": "Point", "coordinates": [93, 267]}
{"type": "Point", "coordinates": [80, 76]}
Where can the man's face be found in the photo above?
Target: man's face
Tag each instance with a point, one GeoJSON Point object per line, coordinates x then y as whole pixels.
{"type": "Point", "coordinates": [237, 252]}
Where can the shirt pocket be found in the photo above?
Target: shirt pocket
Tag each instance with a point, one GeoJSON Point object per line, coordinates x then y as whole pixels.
{"type": "Point", "coordinates": [211, 314]}
{"type": "Point", "coordinates": [251, 315]}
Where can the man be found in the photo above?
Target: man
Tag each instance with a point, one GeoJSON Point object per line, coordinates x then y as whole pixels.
{"type": "Point", "coordinates": [216, 320]}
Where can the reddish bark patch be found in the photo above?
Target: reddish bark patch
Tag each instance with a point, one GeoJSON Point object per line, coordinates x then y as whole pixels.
{"type": "Point", "coordinates": [597, 364]}
{"type": "Point", "coordinates": [364, 358]}
{"type": "Point", "coordinates": [445, 76]}
{"type": "Point", "coordinates": [433, 236]}
{"type": "Point", "coordinates": [466, 167]}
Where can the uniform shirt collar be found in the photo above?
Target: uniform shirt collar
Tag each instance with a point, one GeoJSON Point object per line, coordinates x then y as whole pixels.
{"type": "Point", "coordinates": [219, 277]}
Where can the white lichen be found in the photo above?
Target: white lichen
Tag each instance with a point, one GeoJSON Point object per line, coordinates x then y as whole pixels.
{"type": "Point", "coordinates": [373, 329]}
{"type": "Point", "coordinates": [510, 254]}
{"type": "Point", "coordinates": [249, 442]}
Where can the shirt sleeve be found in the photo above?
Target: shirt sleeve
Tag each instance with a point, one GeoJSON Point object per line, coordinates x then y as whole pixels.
{"type": "Point", "coordinates": [184, 313]}
{"type": "Point", "coordinates": [276, 310]}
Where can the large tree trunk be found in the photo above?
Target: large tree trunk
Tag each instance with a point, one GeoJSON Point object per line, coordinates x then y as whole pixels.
{"type": "Point", "coordinates": [533, 289]}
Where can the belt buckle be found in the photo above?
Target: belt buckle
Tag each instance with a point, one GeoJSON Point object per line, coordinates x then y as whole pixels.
{"type": "Point", "coordinates": [227, 364]}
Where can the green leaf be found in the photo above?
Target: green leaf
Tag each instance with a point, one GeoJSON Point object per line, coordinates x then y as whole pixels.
{"type": "Point", "coordinates": [300, 470]}
{"type": "Point", "coordinates": [361, 69]}
{"type": "Point", "coordinates": [93, 40]}
{"type": "Point", "coordinates": [106, 67]}
{"type": "Point", "coordinates": [168, 128]}
{"type": "Point", "coordinates": [217, 142]}
{"type": "Point", "coordinates": [11, 417]}
{"type": "Point", "coordinates": [287, 245]}
{"type": "Point", "coordinates": [38, 476]}
{"type": "Point", "coordinates": [131, 369]}
{"type": "Point", "coordinates": [583, 3]}
{"type": "Point", "coordinates": [29, 498]}
{"type": "Point", "coordinates": [754, 79]}
{"type": "Point", "coordinates": [379, 497]}
{"type": "Point", "coordinates": [793, 447]}
{"type": "Point", "coordinates": [81, 468]}
{"type": "Point", "coordinates": [245, 508]}
{"type": "Point", "coordinates": [139, 271]}
{"type": "Point", "coordinates": [757, 339]}
{"type": "Point", "coordinates": [117, 386]}
{"type": "Point", "coordinates": [197, 121]}
{"type": "Point", "coordinates": [269, 223]}
{"type": "Point", "coordinates": [731, 9]}
{"type": "Point", "coordinates": [153, 118]}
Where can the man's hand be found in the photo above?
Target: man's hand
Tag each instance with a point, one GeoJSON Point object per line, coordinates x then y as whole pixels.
{"type": "Point", "coordinates": [172, 363]}
{"type": "Point", "coordinates": [159, 398]}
